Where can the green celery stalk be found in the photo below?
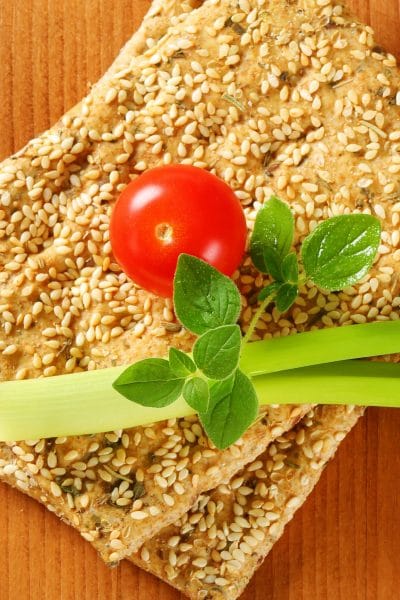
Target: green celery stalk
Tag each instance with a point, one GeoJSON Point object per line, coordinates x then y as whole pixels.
{"type": "Point", "coordinates": [84, 403]}
{"type": "Point", "coordinates": [74, 404]}
{"type": "Point", "coordinates": [321, 346]}
{"type": "Point", "coordinates": [362, 383]}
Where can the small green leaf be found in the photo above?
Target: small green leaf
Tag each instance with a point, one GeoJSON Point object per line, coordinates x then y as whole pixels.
{"type": "Point", "coordinates": [273, 263]}
{"type": "Point", "coordinates": [203, 297]}
{"type": "Point", "coordinates": [341, 250]}
{"type": "Point", "coordinates": [290, 268]}
{"type": "Point", "coordinates": [272, 236]}
{"type": "Point", "coordinates": [197, 394]}
{"type": "Point", "coordinates": [217, 351]}
{"type": "Point", "coordinates": [286, 296]}
{"type": "Point", "coordinates": [150, 382]}
{"type": "Point", "coordinates": [269, 290]}
{"type": "Point", "coordinates": [233, 408]}
{"type": "Point", "coordinates": [181, 364]}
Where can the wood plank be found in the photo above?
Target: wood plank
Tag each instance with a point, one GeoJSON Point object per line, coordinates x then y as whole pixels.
{"type": "Point", "coordinates": [345, 542]}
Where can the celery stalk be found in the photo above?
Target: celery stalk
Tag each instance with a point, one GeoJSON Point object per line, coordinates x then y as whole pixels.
{"type": "Point", "coordinates": [74, 404]}
{"type": "Point", "coordinates": [321, 346]}
{"type": "Point", "coordinates": [86, 403]}
{"type": "Point", "coordinates": [362, 383]}
{"type": "Point", "coordinates": [82, 403]}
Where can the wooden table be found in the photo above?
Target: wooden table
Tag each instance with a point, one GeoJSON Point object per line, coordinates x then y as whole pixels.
{"type": "Point", "coordinates": [345, 543]}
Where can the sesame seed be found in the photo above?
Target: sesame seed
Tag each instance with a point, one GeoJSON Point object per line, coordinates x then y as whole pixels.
{"type": "Point", "coordinates": [110, 95]}
{"type": "Point", "coordinates": [168, 499]}
{"type": "Point", "coordinates": [55, 489]}
{"type": "Point", "coordinates": [199, 562]}
{"type": "Point", "coordinates": [9, 350]}
{"type": "Point", "coordinates": [139, 515]}
{"type": "Point", "coordinates": [353, 148]}
{"type": "Point", "coordinates": [145, 554]}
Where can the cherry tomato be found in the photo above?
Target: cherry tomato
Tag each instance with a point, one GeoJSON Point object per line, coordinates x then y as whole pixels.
{"type": "Point", "coordinates": [170, 210]}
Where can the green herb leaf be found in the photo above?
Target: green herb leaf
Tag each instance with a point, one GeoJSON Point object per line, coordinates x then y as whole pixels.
{"type": "Point", "coordinates": [234, 101]}
{"type": "Point", "coordinates": [181, 364]}
{"type": "Point", "coordinates": [272, 237]}
{"type": "Point", "coordinates": [273, 263]}
{"type": "Point", "coordinates": [341, 250]}
{"type": "Point", "coordinates": [269, 290]}
{"type": "Point", "coordinates": [217, 351]}
{"type": "Point", "coordinates": [197, 394]}
{"type": "Point", "coordinates": [138, 490]}
{"type": "Point", "coordinates": [203, 297]}
{"type": "Point", "coordinates": [150, 382]}
{"type": "Point", "coordinates": [290, 268]}
{"type": "Point", "coordinates": [233, 408]}
{"type": "Point", "coordinates": [286, 296]}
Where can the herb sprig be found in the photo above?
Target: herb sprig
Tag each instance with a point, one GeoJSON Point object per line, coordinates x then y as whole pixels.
{"type": "Point", "coordinates": [207, 303]}
{"type": "Point", "coordinates": [338, 253]}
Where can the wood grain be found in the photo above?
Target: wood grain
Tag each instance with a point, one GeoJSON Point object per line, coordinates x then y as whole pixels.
{"type": "Point", "coordinates": [345, 543]}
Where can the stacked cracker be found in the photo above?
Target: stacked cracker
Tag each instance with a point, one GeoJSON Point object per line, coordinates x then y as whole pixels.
{"type": "Point", "coordinates": [287, 98]}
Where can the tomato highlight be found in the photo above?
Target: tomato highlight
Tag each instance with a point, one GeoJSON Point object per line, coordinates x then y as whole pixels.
{"type": "Point", "coordinates": [172, 210]}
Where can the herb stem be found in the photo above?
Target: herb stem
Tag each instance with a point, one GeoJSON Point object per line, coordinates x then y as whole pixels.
{"type": "Point", "coordinates": [302, 281]}
{"type": "Point", "coordinates": [256, 317]}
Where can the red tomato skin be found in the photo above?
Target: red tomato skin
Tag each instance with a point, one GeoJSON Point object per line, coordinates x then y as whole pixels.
{"type": "Point", "coordinates": [199, 214]}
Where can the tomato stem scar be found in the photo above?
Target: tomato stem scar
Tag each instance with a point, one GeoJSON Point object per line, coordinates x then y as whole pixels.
{"type": "Point", "coordinates": [164, 232]}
